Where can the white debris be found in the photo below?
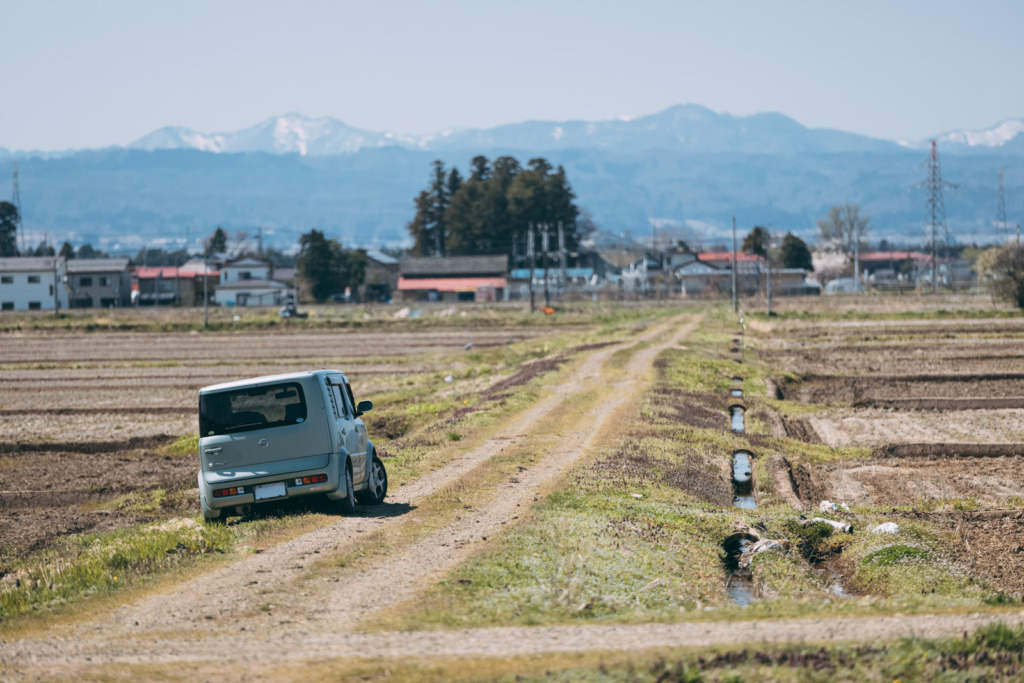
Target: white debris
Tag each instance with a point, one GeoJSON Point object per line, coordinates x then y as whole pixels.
{"type": "Point", "coordinates": [829, 506]}
{"type": "Point", "coordinates": [637, 495]}
{"type": "Point", "coordinates": [887, 528]}
{"type": "Point", "coordinates": [449, 379]}
{"type": "Point", "coordinates": [403, 312]}
{"type": "Point", "coordinates": [764, 545]}
{"type": "Point", "coordinates": [838, 526]}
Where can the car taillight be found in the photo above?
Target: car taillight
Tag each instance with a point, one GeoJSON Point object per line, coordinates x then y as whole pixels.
{"type": "Point", "coordinates": [233, 491]}
{"type": "Point", "coordinates": [315, 479]}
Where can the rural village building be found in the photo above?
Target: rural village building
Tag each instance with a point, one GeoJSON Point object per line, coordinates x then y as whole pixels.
{"type": "Point", "coordinates": [99, 283]}
{"type": "Point", "coordinates": [248, 282]}
{"type": "Point", "coordinates": [453, 278]}
{"type": "Point", "coordinates": [30, 283]}
{"type": "Point", "coordinates": [167, 285]}
{"type": "Point", "coordinates": [381, 276]}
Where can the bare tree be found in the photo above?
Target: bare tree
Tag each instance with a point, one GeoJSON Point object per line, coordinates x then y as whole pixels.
{"type": "Point", "coordinates": [843, 228]}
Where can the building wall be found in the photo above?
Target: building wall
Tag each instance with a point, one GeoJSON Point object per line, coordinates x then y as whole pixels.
{"type": "Point", "coordinates": [101, 289]}
{"type": "Point", "coordinates": [234, 274]}
{"type": "Point", "coordinates": [32, 290]}
{"type": "Point", "coordinates": [249, 297]}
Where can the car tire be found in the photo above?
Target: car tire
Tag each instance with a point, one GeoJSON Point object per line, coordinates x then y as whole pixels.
{"type": "Point", "coordinates": [210, 514]}
{"type": "Point", "coordinates": [347, 505]}
{"type": "Point", "coordinates": [377, 486]}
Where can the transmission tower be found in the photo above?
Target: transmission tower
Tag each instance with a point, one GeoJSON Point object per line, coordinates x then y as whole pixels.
{"type": "Point", "coordinates": [935, 211]}
{"type": "Point", "coordinates": [16, 200]}
{"type": "Point", "coordinates": [1001, 208]}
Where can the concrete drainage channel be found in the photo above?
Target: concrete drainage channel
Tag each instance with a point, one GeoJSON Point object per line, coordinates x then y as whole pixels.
{"type": "Point", "coordinates": [741, 546]}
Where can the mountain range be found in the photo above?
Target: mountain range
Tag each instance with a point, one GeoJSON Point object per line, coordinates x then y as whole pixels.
{"type": "Point", "coordinates": [684, 128]}
{"type": "Point", "coordinates": [687, 167]}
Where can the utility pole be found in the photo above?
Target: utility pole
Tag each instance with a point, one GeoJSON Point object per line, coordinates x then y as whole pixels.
{"type": "Point", "coordinates": [768, 262]}
{"type": "Point", "coordinates": [1001, 223]}
{"type": "Point", "coordinates": [856, 264]}
{"type": "Point", "coordinates": [206, 296]}
{"type": "Point", "coordinates": [530, 257]}
{"type": "Point", "coordinates": [562, 257]}
{"type": "Point", "coordinates": [735, 293]}
{"type": "Point", "coordinates": [544, 241]}
{"type": "Point", "coordinates": [20, 239]}
{"type": "Point", "coordinates": [259, 242]}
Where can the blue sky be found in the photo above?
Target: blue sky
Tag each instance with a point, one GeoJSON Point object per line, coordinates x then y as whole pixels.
{"type": "Point", "coordinates": [89, 74]}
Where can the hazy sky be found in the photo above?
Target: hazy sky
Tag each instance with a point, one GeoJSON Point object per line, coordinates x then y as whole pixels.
{"type": "Point", "coordinates": [88, 74]}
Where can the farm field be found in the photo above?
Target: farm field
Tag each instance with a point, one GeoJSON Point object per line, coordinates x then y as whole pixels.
{"type": "Point", "coordinates": [938, 403]}
{"type": "Point", "coordinates": [567, 499]}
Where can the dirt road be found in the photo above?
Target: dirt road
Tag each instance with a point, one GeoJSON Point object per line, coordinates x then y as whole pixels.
{"type": "Point", "coordinates": [276, 607]}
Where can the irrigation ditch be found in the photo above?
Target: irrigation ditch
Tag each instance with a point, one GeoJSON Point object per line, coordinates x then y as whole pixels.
{"type": "Point", "coordinates": [746, 541]}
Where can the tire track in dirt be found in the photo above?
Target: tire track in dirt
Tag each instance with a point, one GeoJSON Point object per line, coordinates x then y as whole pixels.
{"type": "Point", "coordinates": [354, 600]}
{"type": "Point", "coordinates": [226, 598]}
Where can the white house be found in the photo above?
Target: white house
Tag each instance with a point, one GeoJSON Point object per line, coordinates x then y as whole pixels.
{"type": "Point", "coordinates": [245, 269]}
{"type": "Point", "coordinates": [252, 293]}
{"type": "Point", "coordinates": [30, 283]}
{"type": "Point", "coordinates": [247, 282]}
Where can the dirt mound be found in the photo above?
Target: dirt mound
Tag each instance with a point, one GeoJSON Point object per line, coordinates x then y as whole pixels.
{"type": "Point", "coordinates": [949, 450]}
{"type": "Point", "coordinates": [834, 389]}
{"type": "Point", "coordinates": [943, 404]}
{"type": "Point", "coordinates": [85, 446]}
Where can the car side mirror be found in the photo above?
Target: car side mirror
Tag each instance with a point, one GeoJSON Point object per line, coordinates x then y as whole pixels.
{"type": "Point", "coordinates": [363, 407]}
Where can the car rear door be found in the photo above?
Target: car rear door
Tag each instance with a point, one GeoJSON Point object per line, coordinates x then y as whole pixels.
{"type": "Point", "coordinates": [344, 416]}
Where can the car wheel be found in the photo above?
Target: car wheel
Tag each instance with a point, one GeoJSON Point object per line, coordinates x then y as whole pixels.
{"type": "Point", "coordinates": [347, 505]}
{"type": "Point", "coordinates": [209, 514]}
{"type": "Point", "coordinates": [378, 485]}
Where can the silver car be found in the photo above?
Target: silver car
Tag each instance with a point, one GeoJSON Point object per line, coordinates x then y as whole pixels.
{"type": "Point", "coordinates": [267, 439]}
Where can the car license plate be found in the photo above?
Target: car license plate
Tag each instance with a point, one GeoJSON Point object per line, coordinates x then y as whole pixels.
{"type": "Point", "coordinates": [275, 490]}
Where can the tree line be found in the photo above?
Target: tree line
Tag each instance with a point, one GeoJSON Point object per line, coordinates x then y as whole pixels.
{"type": "Point", "coordinates": [489, 212]}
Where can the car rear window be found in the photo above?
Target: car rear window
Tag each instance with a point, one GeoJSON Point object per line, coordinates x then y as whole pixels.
{"type": "Point", "coordinates": [243, 410]}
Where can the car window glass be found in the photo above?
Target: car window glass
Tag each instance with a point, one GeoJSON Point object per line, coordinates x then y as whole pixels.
{"type": "Point", "coordinates": [346, 394]}
{"type": "Point", "coordinates": [339, 399]}
{"type": "Point", "coordinates": [351, 398]}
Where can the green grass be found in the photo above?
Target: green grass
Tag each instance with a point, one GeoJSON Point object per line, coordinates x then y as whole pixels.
{"type": "Point", "coordinates": [992, 653]}
{"type": "Point", "coordinates": [102, 563]}
{"type": "Point", "coordinates": [636, 533]}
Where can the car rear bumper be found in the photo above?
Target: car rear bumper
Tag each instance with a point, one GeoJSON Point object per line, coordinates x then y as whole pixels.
{"type": "Point", "coordinates": [266, 476]}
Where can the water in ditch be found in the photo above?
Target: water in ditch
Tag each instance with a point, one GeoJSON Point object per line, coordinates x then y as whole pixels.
{"type": "Point", "coordinates": [739, 583]}
{"type": "Point", "coordinates": [737, 393]}
{"type": "Point", "coordinates": [737, 417]}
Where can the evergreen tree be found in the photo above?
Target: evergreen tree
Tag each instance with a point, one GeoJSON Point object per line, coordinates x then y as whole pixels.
{"type": "Point", "coordinates": [44, 249]}
{"type": "Point", "coordinates": [217, 243]}
{"type": "Point", "coordinates": [794, 253]}
{"type": "Point", "coordinates": [326, 268]}
{"type": "Point", "coordinates": [756, 242]}
{"type": "Point", "coordinates": [8, 229]}
{"type": "Point", "coordinates": [484, 213]}
{"type": "Point", "coordinates": [67, 251]}
{"type": "Point", "coordinates": [87, 251]}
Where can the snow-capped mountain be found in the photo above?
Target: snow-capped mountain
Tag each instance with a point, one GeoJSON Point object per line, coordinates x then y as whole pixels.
{"type": "Point", "coordinates": [288, 134]}
{"type": "Point", "coordinates": [1007, 134]}
{"type": "Point", "coordinates": [683, 128]}
{"type": "Point", "coordinates": [689, 128]}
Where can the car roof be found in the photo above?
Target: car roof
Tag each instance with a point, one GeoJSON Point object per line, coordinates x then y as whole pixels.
{"type": "Point", "coordinates": [268, 379]}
